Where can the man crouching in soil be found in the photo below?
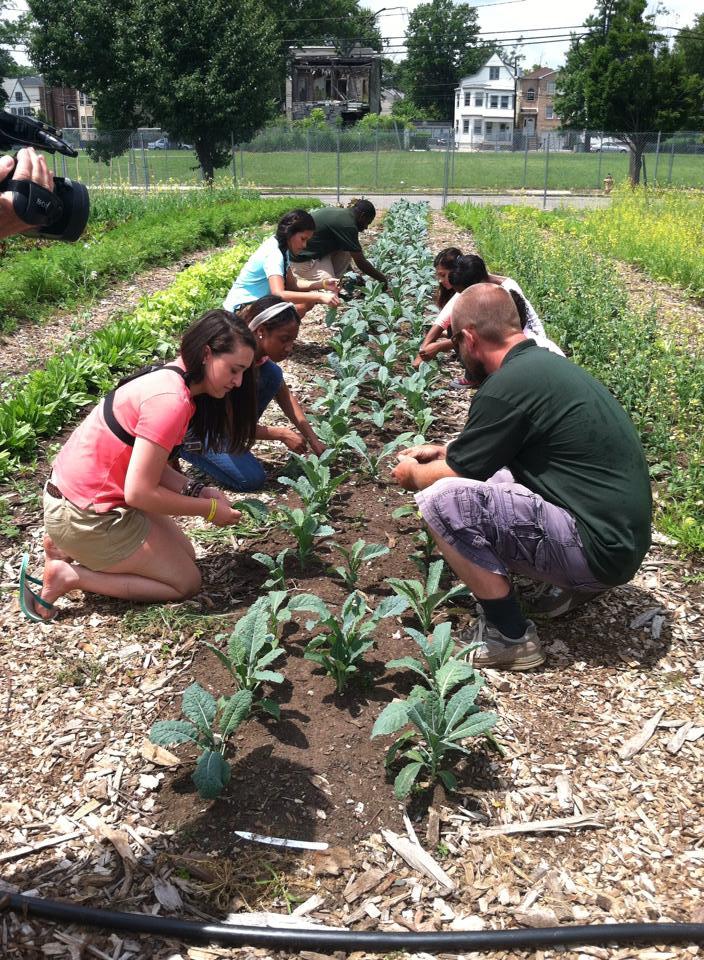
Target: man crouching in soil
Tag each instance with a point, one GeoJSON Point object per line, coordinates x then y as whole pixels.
{"type": "Point", "coordinates": [548, 480]}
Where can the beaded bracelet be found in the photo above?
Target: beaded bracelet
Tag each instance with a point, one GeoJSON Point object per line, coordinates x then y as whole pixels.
{"type": "Point", "coordinates": [193, 488]}
{"type": "Point", "coordinates": [213, 510]}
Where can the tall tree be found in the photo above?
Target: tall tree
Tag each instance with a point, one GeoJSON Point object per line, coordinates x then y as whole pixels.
{"type": "Point", "coordinates": [11, 31]}
{"type": "Point", "coordinates": [689, 42]}
{"type": "Point", "coordinates": [442, 44]}
{"type": "Point", "coordinates": [201, 69]}
{"type": "Point", "coordinates": [623, 78]}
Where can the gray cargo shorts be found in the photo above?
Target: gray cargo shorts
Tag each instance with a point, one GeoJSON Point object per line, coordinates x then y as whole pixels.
{"type": "Point", "coordinates": [505, 528]}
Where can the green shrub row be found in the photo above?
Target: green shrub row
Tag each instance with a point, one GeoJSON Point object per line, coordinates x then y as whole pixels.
{"type": "Point", "coordinates": [587, 310]}
{"type": "Point", "coordinates": [60, 274]}
{"type": "Point", "coordinates": [39, 404]}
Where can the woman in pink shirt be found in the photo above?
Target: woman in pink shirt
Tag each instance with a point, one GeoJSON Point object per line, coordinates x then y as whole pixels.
{"type": "Point", "coordinates": [109, 503]}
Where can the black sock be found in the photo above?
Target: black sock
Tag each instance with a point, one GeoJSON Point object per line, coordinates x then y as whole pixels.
{"type": "Point", "coordinates": [506, 615]}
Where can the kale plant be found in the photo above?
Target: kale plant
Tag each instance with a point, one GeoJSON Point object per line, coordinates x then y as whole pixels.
{"type": "Point", "coordinates": [209, 724]}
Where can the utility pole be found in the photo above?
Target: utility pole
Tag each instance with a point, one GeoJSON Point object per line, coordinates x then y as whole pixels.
{"type": "Point", "coordinates": [515, 101]}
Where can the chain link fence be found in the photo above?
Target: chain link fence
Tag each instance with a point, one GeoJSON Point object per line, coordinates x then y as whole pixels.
{"type": "Point", "coordinates": [404, 161]}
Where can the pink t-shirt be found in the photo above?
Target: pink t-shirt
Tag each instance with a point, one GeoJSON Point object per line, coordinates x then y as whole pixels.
{"type": "Point", "coordinates": [91, 467]}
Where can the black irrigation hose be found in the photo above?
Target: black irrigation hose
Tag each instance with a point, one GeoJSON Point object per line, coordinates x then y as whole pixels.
{"type": "Point", "coordinates": [329, 941]}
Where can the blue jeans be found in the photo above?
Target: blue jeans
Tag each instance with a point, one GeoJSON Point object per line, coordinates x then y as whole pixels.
{"type": "Point", "coordinates": [241, 471]}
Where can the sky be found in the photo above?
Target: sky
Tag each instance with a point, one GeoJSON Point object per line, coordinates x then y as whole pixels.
{"type": "Point", "coordinates": [517, 17]}
{"type": "Point", "coordinates": [505, 19]}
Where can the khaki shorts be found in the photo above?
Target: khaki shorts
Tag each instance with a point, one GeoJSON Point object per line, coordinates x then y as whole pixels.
{"type": "Point", "coordinates": [95, 540]}
{"type": "Point", "coordinates": [327, 268]}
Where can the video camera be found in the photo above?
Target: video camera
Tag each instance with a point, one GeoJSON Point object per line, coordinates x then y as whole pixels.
{"type": "Point", "coordinates": [61, 214]}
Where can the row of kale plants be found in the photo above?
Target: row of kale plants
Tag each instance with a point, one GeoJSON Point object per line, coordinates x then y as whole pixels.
{"type": "Point", "coordinates": [39, 404]}
{"type": "Point", "coordinates": [371, 383]}
{"type": "Point", "coordinates": [126, 240]}
{"type": "Point", "coordinates": [658, 378]}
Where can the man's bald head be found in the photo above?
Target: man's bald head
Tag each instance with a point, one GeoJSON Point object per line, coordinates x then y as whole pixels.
{"type": "Point", "coordinates": [489, 310]}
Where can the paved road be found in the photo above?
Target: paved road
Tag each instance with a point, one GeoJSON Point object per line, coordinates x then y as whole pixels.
{"type": "Point", "coordinates": [553, 199]}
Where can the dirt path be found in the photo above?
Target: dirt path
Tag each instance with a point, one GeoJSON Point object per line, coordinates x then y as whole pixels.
{"type": "Point", "coordinates": [78, 697]}
{"type": "Point", "coordinates": [683, 316]}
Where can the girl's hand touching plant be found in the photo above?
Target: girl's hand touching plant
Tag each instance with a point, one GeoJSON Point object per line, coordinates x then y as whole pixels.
{"type": "Point", "coordinates": [295, 441]}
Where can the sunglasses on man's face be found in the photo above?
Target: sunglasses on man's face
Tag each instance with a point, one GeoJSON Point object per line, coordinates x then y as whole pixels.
{"type": "Point", "coordinates": [455, 341]}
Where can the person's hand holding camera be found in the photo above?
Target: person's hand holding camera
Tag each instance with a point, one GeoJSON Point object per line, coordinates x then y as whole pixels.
{"type": "Point", "coordinates": [30, 166]}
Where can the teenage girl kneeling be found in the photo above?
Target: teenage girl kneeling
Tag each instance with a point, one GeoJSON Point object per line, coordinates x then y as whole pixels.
{"type": "Point", "coordinates": [109, 503]}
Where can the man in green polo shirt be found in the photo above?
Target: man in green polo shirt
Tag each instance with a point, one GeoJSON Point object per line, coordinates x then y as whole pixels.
{"type": "Point", "coordinates": [336, 242]}
{"type": "Point", "coordinates": [548, 480]}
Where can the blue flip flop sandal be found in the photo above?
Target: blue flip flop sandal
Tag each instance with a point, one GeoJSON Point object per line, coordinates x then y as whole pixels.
{"type": "Point", "coordinates": [29, 599]}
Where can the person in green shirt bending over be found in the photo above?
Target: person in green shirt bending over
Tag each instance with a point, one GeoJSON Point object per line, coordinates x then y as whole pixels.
{"type": "Point", "coordinates": [547, 480]}
{"type": "Point", "coordinates": [334, 243]}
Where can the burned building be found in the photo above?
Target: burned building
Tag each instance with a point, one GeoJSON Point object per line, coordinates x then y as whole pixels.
{"type": "Point", "coordinates": [345, 84]}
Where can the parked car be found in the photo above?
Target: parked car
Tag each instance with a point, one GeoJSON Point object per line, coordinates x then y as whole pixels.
{"type": "Point", "coordinates": [609, 145]}
{"type": "Point", "coordinates": [163, 143]}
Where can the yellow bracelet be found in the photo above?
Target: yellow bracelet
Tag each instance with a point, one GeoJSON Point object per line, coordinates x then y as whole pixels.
{"type": "Point", "coordinates": [213, 509]}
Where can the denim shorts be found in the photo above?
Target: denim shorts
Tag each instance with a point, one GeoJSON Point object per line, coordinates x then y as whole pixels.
{"type": "Point", "coordinates": [505, 528]}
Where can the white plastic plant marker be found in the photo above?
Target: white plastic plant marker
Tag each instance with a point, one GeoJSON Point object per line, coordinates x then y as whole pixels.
{"type": "Point", "coordinates": [282, 841]}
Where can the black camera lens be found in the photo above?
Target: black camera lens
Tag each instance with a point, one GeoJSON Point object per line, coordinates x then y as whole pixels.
{"type": "Point", "coordinates": [75, 203]}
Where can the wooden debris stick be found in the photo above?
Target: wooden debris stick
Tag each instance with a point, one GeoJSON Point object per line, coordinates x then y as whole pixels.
{"type": "Point", "coordinates": [363, 884]}
{"type": "Point", "coordinates": [676, 742]}
{"type": "Point", "coordinates": [158, 755]}
{"type": "Point", "coordinates": [636, 743]}
{"type": "Point", "coordinates": [120, 841]}
{"type": "Point", "coordinates": [20, 852]}
{"type": "Point", "coordinates": [558, 825]}
{"type": "Point", "coordinates": [417, 858]}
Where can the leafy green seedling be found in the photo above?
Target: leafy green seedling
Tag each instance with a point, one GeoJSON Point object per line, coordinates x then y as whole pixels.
{"type": "Point", "coordinates": [306, 528]}
{"type": "Point", "coordinates": [439, 726]}
{"type": "Point", "coordinates": [443, 670]}
{"type": "Point", "coordinates": [208, 724]}
{"type": "Point", "coordinates": [370, 459]}
{"type": "Point", "coordinates": [379, 415]}
{"type": "Point", "coordinates": [384, 383]}
{"type": "Point", "coordinates": [348, 635]}
{"type": "Point", "coordinates": [251, 649]}
{"type": "Point", "coordinates": [276, 567]}
{"type": "Point", "coordinates": [425, 599]}
{"type": "Point", "coordinates": [358, 554]}
{"type": "Point", "coordinates": [338, 396]}
{"type": "Point", "coordinates": [316, 487]}
{"type": "Point", "coordinates": [332, 430]}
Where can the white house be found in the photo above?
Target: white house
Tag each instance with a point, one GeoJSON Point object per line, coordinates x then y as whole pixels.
{"type": "Point", "coordinates": [484, 107]}
{"type": "Point", "coordinates": [21, 98]}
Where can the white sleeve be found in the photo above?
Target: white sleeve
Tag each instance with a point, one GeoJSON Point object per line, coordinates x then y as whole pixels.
{"type": "Point", "coordinates": [444, 318]}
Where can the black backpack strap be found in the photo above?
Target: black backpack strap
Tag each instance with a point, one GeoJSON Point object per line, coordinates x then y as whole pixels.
{"type": "Point", "coordinates": [111, 420]}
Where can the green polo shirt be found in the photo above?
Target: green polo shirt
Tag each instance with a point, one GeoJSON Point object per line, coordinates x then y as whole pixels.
{"type": "Point", "coordinates": [335, 229]}
{"type": "Point", "coordinates": [564, 436]}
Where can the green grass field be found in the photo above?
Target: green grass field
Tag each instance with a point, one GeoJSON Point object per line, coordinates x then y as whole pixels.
{"type": "Point", "coordinates": [395, 171]}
